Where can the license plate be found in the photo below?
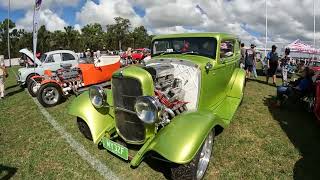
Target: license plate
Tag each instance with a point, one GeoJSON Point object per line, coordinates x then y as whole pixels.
{"type": "Point", "coordinates": [116, 148]}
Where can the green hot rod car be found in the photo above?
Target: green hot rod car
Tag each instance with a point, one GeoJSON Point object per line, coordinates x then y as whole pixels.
{"type": "Point", "coordinates": [172, 107]}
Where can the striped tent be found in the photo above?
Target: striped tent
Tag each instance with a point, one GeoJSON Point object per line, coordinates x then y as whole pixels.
{"type": "Point", "coordinates": [299, 46]}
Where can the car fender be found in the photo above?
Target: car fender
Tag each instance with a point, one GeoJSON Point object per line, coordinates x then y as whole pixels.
{"type": "Point", "coordinates": [236, 84]}
{"type": "Point", "coordinates": [37, 76]}
{"type": "Point", "coordinates": [45, 81]}
{"type": "Point", "coordinates": [99, 121]}
{"type": "Point", "coordinates": [180, 140]}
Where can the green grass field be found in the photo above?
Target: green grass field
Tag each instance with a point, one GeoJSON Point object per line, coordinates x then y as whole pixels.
{"type": "Point", "coordinates": [261, 143]}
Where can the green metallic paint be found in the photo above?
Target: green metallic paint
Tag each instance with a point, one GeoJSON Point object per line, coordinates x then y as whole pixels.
{"type": "Point", "coordinates": [180, 140]}
{"type": "Point", "coordinates": [146, 81]}
{"type": "Point", "coordinates": [220, 95]}
{"type": "Point", "coordinates": [100, 121]}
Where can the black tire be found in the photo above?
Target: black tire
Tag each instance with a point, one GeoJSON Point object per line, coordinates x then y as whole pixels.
{"type": "Point", "coordinates": [189, 171]}
{"type": "Point", "coordinates": [28, 79]}
{"type": "Point", "coordinates": [84, 129]}
{"type": "Point", "coordinates": [31, 84]}
{"type": "Point", "coordinates": [57, 93]}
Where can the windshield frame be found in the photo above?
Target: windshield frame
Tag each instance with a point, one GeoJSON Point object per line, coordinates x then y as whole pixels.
{"type": "Point", "coordinates": [170, 40]}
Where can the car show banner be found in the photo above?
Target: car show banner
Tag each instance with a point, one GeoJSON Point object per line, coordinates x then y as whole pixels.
{"type": "Point", "coordinates": [35, 25]}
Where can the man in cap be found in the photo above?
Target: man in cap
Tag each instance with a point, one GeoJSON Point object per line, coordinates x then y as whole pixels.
{"type": "Point", "coordinates": [272, 63]}
{"type": "Point", "coordinates": [250, 60]}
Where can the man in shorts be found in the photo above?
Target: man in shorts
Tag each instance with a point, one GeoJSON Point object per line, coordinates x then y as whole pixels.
{"type": "Point", "coordinates": [250, 60]}
{"type": "Point", "coordinates": [272, 63]}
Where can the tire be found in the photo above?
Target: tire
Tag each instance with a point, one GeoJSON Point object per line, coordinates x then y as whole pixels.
{"type": "Point", "coordinates": [28, 79]}
{"type": "Point", "coordinates": [84, 129]}
{"type": "Point", "coordinates": [32, 86]}
{"type": "Point", "coordinates": [195, 169]}
{"type": "Point", "coordinates": [50, 95]}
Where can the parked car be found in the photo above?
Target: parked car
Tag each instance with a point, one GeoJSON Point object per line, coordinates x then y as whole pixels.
{"type": "Point", "coordinates": [317, 101]}
{"type": "Point", "coordinates": [171, 108]}
{"type": "Point", "coordinates": [55, 86]}
{"type": "Point", "coordinates": [48, 61]}
{"type": "Point", "coordinates": [315, 65]}
{"type": "Point", "coordinates": [137, 55]}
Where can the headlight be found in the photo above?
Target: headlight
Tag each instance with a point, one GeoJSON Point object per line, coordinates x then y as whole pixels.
{"type": "Point", "coordinates": [97, 96]}
{"type": "Point", "coordinates": [147, 109]}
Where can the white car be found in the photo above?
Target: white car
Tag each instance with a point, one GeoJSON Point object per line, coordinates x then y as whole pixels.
{"type": "Point", "coordinates": [48, 61]}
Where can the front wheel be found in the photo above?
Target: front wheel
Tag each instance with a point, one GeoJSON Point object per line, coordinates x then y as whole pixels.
{"type": "Point", "coordinates": [50, 94]}
{"type": "Point", "coordinates": [84, 129]}
{"type": "Point", "coordinates": [196, 169]}
{"type": "Point", "coordinates": [33, 86]}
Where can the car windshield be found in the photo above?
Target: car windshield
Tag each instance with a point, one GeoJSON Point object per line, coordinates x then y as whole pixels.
{"type": "Point", "coordinates": [43, 57]}
{"type": "Point", "coordinates": [203, 46]}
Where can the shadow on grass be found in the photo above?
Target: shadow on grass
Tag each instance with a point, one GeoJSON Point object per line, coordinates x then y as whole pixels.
{"type": "Point", "coordinates": [10, 87]}
{"type": "Point", "coordinates": [16, 91]}
{"type": "Point", "coordinates": [7, 172]}
{"type": "Point", "coordinates": [304, 133]}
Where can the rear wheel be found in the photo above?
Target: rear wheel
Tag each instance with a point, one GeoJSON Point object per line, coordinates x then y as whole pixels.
{"type": "Point", "coordinates": [50, 94]}
{"type": "Point", "coordinates": [34, 86]}
{"type": "Point", "coordinates": [84, 129]}
{"type": "Point", "coordinates": [197, 167]}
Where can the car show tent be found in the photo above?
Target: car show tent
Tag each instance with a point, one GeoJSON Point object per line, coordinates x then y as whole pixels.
{"type": "Point", "coordinates": [301, 47]}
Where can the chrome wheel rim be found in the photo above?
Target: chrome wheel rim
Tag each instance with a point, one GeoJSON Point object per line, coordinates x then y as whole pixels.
{"type": "Point", "coordinates": [50, 95]}
{"type": "Point", "coordinates": [35, 87]}
{"type": "Point", "coordinates": [205, 155]}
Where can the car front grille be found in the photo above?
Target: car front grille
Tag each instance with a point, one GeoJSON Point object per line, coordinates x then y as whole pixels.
{"type": "Point", "coordinates": [125, 91]}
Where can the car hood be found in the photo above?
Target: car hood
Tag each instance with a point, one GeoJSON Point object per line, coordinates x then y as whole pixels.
{"type": "Point", "coordinates": [30, 55]}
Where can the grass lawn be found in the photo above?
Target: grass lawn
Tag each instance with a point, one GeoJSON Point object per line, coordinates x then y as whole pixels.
{"type": "Point", "coordinates": [261, 143]}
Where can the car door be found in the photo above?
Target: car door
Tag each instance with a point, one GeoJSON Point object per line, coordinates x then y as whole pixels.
{"type": "Point", "coordinates": [52, 62]}
{"type": "Point", "coordinates": [214, 82]}
{"type": "Point", "coordinates": [68, 58]}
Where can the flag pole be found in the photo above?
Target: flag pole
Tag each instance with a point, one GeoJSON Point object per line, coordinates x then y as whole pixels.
{"type": "Point", "coordinates": [8, 26]}
{"type": "Point", "coordinates": [265, 50]}
{"type": "Point", "coordinates": [314, 25]}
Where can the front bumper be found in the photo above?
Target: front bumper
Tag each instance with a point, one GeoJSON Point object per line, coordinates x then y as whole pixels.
{"type": "Point", "coordinates": [19, 81]}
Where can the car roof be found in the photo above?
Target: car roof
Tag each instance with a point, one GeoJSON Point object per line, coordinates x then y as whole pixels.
{"type": "Point", "coordinates": [60, 51]}
{"type": "Point", "coordinates": [217, 35]}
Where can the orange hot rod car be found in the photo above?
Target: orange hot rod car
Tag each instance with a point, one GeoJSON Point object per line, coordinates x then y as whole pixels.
{"type": "Point", "coordinates": [54, 86]}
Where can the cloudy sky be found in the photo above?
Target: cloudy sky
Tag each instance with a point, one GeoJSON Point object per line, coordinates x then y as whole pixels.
{"type": "Point", "coordinates": [288, 19]}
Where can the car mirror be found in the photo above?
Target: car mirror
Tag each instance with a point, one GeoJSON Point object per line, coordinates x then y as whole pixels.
{"type": "Point", "coordinates": [208, 66]}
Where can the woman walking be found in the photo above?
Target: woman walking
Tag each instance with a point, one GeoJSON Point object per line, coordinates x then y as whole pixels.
{"type": "Point", "coordinates": [284, 63]}
{"type": "Point", "coordinates": [3, 75]}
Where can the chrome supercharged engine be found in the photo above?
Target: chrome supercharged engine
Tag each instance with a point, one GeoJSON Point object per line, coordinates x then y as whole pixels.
{"type": "Point", "coordinates": [168, 90]}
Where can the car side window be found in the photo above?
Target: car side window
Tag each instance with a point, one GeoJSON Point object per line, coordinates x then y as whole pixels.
{"type": "Point", "coordinates": [50, 59]}
{"type": "Point", "coordinates": [227, 49]}
{"type": "Point", "coordinates": [57, 57]}
{"type": "Point", "coordinates": [67, 57]}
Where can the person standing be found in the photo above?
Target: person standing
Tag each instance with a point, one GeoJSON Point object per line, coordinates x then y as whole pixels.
{"type": "Point", "coordinates": [3, 75]}
{"type": "Point", "coordinates": [272, 63]}
{"type": "Point", "coordinates": [243, 56]}
{"type": "Point", "coordinates": [284, 63]}
{"type": "Point", "coordinates": [250, 60]}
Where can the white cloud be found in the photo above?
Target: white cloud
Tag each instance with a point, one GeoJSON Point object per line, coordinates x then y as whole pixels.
{"type": "Point", "coordinates": [288, 20]}
{"type": "Point", "coordinates": [28, 4]}
{"type": "Point", "coordinates": [48, 18]}
{"type": "Point", "coordinates": [105, 11]}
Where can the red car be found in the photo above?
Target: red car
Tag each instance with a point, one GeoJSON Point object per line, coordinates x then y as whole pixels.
{"type": "Point", "coordinates": [317, 101]}
{"type": "Point", "coordinates": [54, 86]}
{"type": "Point", "coordinates": [137, 54]}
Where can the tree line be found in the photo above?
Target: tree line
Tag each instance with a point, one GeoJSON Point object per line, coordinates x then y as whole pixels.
{"type": "Point", "coordinates": [119, 35]}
